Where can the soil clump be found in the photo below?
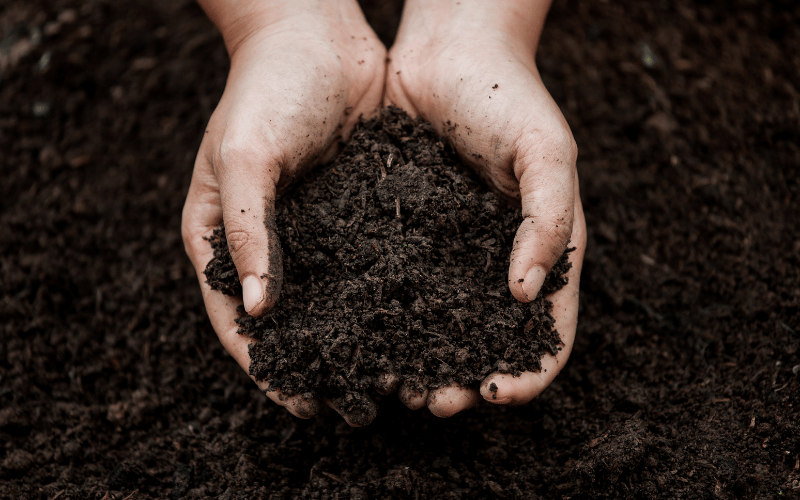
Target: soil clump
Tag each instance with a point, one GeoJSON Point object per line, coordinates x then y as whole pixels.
{"type": "Point", "coordinates": [395, 261]}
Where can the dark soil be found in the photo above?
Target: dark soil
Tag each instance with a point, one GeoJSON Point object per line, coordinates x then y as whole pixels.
{"type": "Point", "coordinates": [684, 378]}
{"type": "Point", "coordinates": [395, 261]}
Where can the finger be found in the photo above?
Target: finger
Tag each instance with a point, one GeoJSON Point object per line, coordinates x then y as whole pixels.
{"type": "Point", "coordinates": [547, 180]}
{"type": "Point", "coordinates": [386, 383]}
{"type": "Point", "coordinates": [447, 401]}
{"type": "Point", "coordinates": [412, 398]}
{"type": "Point", "coordinates": [358, 410]}
{"type": "Point", "coordinates": [222, 311]}
{"type": "Point", "coordinates": [501, 388]}
{"type": "Point", "coordinates": [201, 215]}
{"type": "Point", "coordinates": [247, 181]}
{"type": "Point", "coordinates": [395, 94]}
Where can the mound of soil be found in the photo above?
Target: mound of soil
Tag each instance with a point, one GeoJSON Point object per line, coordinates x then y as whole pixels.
{"type": "Point", "coordinates": [395, 261]}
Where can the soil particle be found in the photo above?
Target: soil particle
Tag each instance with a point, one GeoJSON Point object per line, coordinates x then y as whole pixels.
{"type": "Point", "coordinates": [493, 390]}
{"type": "Point", "coordinates": [396, 260]}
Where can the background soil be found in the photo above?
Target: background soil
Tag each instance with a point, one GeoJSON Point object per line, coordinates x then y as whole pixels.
{"type": "Point", "coordinates": [684, 378]}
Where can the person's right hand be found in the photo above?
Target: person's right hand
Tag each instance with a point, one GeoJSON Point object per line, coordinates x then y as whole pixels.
{"type": "Point", "coordinates": [301, 74]}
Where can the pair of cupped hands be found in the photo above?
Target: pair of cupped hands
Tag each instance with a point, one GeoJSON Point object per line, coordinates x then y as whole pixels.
{"type": "Point", "coordinates": [302, 73]}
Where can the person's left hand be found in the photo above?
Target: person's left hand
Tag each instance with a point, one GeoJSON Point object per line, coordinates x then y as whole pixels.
{"type": "Point", "coordinates": [468, 67]}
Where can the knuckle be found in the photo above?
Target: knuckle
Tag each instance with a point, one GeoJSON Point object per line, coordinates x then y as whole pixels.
{"type": "Point", "coordinates": [240, 151]}
{"type": "Point", "coordinates": [187, 231]}
{"type": "Point", "coordinates": [558, 235]}
{"type": "Point", "coordinates": [191, 234]}
{"type": "Point", "coordinates": [553, 144]}
{"type": "Point", "coordinates": [554, 233]}
{"type": "Point", "coordinates": [234, 149]}
{"type": "Point", "coordinates": [557, 226]}
{"type": "Point", "coordinates": [239, 241]}
{"type": "Point", "coordinates": [564, 144]}
{"type": "Point", "coordinates": [560, 231]}
{"type": "Point", "coordinates": [559, 142]}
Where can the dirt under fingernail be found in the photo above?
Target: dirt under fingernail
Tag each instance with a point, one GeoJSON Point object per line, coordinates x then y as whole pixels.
{"type": "Point", "coordinates": [493, 390]}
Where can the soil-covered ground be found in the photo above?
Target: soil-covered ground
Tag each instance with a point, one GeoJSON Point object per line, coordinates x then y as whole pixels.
{"type": "Point", "coordinates": [685, 375]}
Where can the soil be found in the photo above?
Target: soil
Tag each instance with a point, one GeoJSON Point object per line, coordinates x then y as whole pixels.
{"type": "Point", "coordinates": [395, 261]}
{"type": "Point", "coordinates": [684, 380]}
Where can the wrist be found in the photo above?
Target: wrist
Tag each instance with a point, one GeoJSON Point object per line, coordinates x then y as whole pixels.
{"type": "Point", "coordinates": [517, 23]}
{"type": "Point", "coordinates": [239, 20]}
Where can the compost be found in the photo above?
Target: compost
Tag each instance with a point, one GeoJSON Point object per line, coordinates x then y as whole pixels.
{"type": "Point", "coordinates": [395, 262]}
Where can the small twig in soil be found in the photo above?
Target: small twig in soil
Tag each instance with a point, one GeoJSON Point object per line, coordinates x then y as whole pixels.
{"type": "Point", "coordinates": [332, 190]}
{"type": "Point", "coordinates": [288, 435]}
{"type": "Point", "coordinates": [458, 199]}
{"type": "Point", "coordinates": [383, 169]}
{"type": "Point", "coordinates": [355, 360]}
{"type": "Point", "coordinates": [311, 473]}
{"type": "Point", "coordinates": [458, 319]}
{"type": "Point", "coordinates": [488, 261]}
{"type": "Point", "coordinates": [333, 477]}
{"type": "Point", "coordinates": [397, 203]}
{"type": "Point", "coordinates": [305, 313]}
{"type": "Point", "coordinates": [200, 354]}
{"type": "Point", "coordinates": [62, 492]}
{"type": "Point", "coordinates": [131, 495]}
{"type": "Point", "coordinates": [781, 387]}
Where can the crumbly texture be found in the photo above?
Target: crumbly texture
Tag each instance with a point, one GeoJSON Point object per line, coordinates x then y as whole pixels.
{"type": "Point", "coordinates": [396, 261]}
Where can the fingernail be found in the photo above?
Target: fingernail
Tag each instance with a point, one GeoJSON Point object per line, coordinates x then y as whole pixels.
{"type": "Point", "coordinates": [533, 282]}
{"type": "Point", "coordinates": [489, 393]}
{"type": "Point", "coordinates": [252, 291]}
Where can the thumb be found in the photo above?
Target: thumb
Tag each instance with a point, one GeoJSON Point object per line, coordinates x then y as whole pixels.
{"type": "Point", "coordinates": [547, 187]}
{"type": "Point", "coordinates": [247, 195]}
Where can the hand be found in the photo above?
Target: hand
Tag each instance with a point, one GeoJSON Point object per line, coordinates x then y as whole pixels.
{"type": "Point", "coordinates": [468, 67]}
{"type": "Point", "coordinates": [301, 74]}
